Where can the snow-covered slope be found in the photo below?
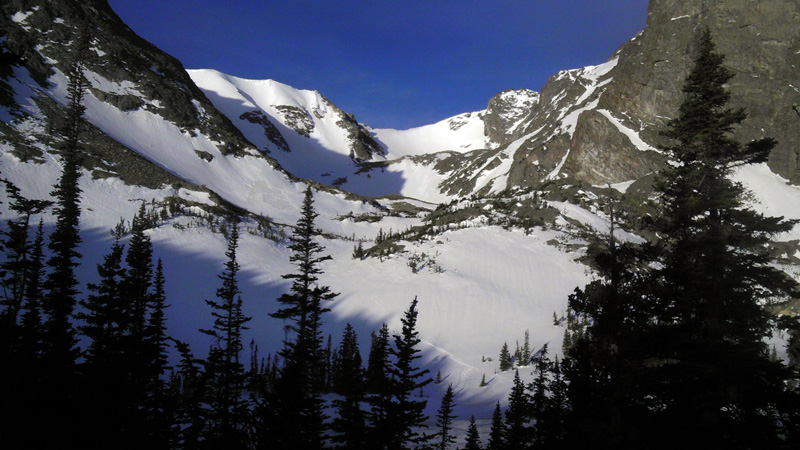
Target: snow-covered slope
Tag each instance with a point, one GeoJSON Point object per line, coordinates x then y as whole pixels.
{"type": "Point", "coordinates": [460, 133]}
{"type": "Point", "coordinates": [303, 130]}
{"type": "Point", "coordinates": [313, 139]}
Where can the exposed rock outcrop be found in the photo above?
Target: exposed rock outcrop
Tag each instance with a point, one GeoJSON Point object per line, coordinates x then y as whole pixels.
{"type": "Point", "coordinates": [602, 124]}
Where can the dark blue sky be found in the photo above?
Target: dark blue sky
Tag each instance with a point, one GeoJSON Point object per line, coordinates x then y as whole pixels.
{"type": "Point", "coordinates": [393, 64]}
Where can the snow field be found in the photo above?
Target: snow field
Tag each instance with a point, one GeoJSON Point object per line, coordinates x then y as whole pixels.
{"type": "Point", "coordinates": [324, 155]}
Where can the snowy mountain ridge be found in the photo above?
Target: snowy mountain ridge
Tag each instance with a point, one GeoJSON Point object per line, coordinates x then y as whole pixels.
{"type": "Point", "coordinates": [313, 139]}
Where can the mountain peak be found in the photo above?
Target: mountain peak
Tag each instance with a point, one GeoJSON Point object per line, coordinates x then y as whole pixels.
{"type": "Point", "coordinates": [506, 113]}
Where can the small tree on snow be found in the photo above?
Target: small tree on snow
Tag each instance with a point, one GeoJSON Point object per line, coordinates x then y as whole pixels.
{"type": "Point", "coordinates": [444, 421]}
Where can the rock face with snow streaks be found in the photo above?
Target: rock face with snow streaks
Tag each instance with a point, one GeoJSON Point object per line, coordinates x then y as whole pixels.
{"type": "Point", "coordinates": [123, 71]}
{"type": "Point", "coordinates": [601, 124]}
{"type": "Point", "coordinates": [641, 91]}
{"type": "Point", "coordinates": [761, 44]}
{"type": "Point", "coordinates": [506, 112]}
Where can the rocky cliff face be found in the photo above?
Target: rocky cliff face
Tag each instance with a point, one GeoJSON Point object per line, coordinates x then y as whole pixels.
{"type": "Point", "coordinates": [601, 124]}
{"type": "Point", "coordinates": [505, 114]}
{"type": "Point", "coordinates": [761, 42]}
{"type": "Point", "coordinates": [125, 71]}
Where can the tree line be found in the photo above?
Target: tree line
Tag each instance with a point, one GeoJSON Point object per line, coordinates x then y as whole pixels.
{"type": "Point", "coordinates": [671, 348]}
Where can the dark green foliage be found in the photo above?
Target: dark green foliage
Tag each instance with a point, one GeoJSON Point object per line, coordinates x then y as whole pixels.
{"type": "Point", "coordinates": [23, 403]}
{"type": "Point", "coordinates": [519, 433]}
{"type": "Point", "coordinates": [14, 269]}
{"type": "Point", "coordinates": [608, 320]}
{"type": "Point", "coordinates": [539, 394]}
{"type": "Point", "coordinates": [225, 380]}
{"type": "Point", "coordinates": [497, 434]}
{"type": "Point", "coordinates": [104, 315]}
{"type": "Point", "coordinates": [444, 436]}
{"type": "Point", "coordinates": [715, 276]}
{"type": "Point", "coordinates": [59, 343]}
{"type": "Point", "coordinates": [298, 405]}
{"type": "Point", "coordinates": [157, 326]}
{"type": "Point", "coordinates": [124, 321]}
{"type": "Point", "coordinates": [156, 342]}
{"type": "Point", "coordinates": [350, 423]}
{"type": "Point", "coordinates": [379, 387]}
{"type": "Point", "coordinates": [358, 251]}
{"type": "Point", "coordinates": [551, 428]}
{"type": "Point", "coordinates": [141, 359]}
{"type": "Point", "coordinates": [30, 334]}
{"type": "Point", "coordinates": [473, 441]}
{"type": "Point", "coordinates": [139, 277]}
{"type": "Point", "coordinates": [673, 352]}
{"type": "Point", "coordinates": [61, 283]}
{"type": "Point", "coordinates": [187, 388]}
{"type": "Point", "coordinates": [21, 331]}
{"type": "Point", "coordinates": [525, 351]}
{"type": "Point", "coordinates": [377, 376]}
{"type": "Point", "coordinates": [349, 373]}
{"type": "Point", "coordinates": [106, 365]}
{"type": "Point", "coordinates": [505, 358]}
{"type": "Point", "coordinates": [407, 380]}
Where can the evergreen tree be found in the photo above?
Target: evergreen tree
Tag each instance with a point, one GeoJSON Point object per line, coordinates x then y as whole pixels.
{"type": "Point", "coordinates": [377, 376]}
{"type": "Point", "coordinates": [14, 269]}
{"type": "Point", "coordinates": [137, 287]}
{"type": "Point", "coordinates": [350, 422]}
{"type": "Point", "coordinates": [225, 372]}
{"type": "Point", "coordinates": [30, 336]}
{"type": "Point", "coordinates": [525, 352]}
{"type": "Point", "coordinates": [60, 344]}
{"type": "Point", "coordinates": [505, 358]}
{"type": "Point", "coordinates": [539, 396]}
{"type": "Point", "coordinates": [607, 324]}
{"type": "Point", "coordinates": [139, 277]}
{"type": "Point", "coordinates": [104, 315]}
{"type": "Point", "coordinates": [298, 403]}
{"type": "Point", "coordinates": [21, 273]}
{"type": "Point", "coordinates": [444, 421]}
{"type": "Point", "coordinates": [473, 441]}
{"type": "Point", "coordinates": [105, 366]}
{"type": "Point", "coordinates": [188, 390]}
{"type": "Point", "coordinates": [716, 382]}
{"type": "Point", "coordinates": [379, 387]}
{"type": "Point", "coordinates": [349, 371]}
{"type": "Point", "coordinates": [23, 403]}
{"type": "Point", "coordinates": [519, 433]}
{"type": "Point", "coordinates": [358, 251]}
{"type": "Point", "coordinates": [406, 412]}
{"type": "Point", "coordinates": [158, 401]}
{"type": "Point", "coordinates": [552, 427]}
{"type": "Point", "coordinates": [497, 434]}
